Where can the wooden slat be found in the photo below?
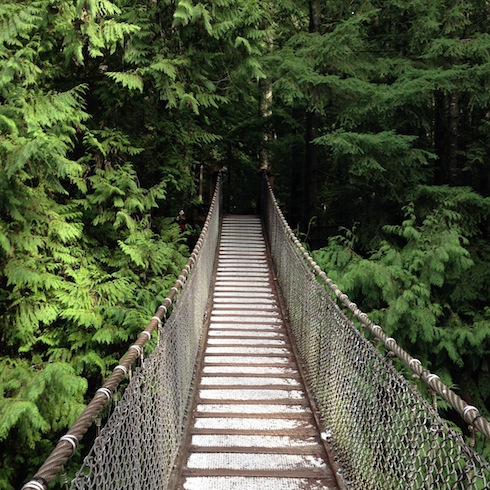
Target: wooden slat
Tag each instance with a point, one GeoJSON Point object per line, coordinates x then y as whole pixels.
{"type": "Point", "coordinates": [292, 434]}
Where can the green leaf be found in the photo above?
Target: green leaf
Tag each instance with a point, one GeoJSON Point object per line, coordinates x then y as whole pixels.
{"type": "Point", "coordinates": [188, 101]}
{"type": "Point", "coordinates": [241, 41]}
{"type": "Point", "coordinates": [132, 81]}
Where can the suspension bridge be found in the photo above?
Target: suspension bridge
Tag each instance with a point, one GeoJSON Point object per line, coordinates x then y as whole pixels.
{"type": "Point", "coordinates": [260, 378]}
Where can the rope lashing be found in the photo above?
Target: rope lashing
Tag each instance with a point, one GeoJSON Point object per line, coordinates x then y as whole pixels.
{"type": "Point", "coordinates": [158, 320]}
{"type": "Point", "coordinates": [470, 408]}
{"type": "Point", "coordinates": [138, 349]}
{"type": "Point", "coordinates": [36, 484]}
{"type": "Point", "coordinates": [106, 392]}
{"type": "Point", "coordinates": [71, 439]}
{"type": "Point", "coordinates": [123, 368]}
{"type": "Point", "coordinates": [415, 361]}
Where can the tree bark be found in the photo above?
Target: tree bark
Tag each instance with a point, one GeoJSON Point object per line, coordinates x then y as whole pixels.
{"type": "Point", "coordinates": [315, 15]}
{"type": "Point", "coordinates": [311, 153]}
{"type": "Point", "coordinates": [446, 136]}
{"type": "Point", "coordinates": [296, 203]}
{"type": "Point", "coordinates": [265, 109]}
{"type": "Point", "coordinates": [453, 137]}
{"type": "Point", "coordinates": [311, 168]}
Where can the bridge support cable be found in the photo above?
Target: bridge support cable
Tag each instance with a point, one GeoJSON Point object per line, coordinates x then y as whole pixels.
{"type": "Point", "coordinates": [138, 445]}
{"type": "Point", "coordinates": [382, 430]}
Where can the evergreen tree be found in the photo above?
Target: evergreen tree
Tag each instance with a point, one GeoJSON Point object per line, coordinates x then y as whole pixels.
{"type": "Point", "coordinates": [108, 111]}
{"type": "Point", "coordinates": [108, 108]}
{"type": "Point", "coordinates": [406, 118]}
{"type": "Point", "coordinates": [393, 94]}
{"type": "Point", "coordinates": [82, 260]}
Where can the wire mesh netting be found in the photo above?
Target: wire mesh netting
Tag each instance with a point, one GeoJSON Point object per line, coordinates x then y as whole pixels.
{"type": "Point", "coordinates": [382, 431]}
{"type": "Point", "coordinates": [137, 447]}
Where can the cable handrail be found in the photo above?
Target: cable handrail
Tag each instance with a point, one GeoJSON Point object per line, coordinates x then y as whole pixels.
{"type": "Point", "coordinates": [469, 413]}
{"type": "Point", "coordinates": [69, 442]}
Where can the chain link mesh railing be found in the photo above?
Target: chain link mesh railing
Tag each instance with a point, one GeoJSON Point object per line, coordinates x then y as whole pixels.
{"type": "Point", "coordinates": [382, 431]}
{"type": "Point", "coordinates": [137, 447]}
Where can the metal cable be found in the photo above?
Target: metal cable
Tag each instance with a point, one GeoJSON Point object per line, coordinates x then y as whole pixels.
{"type": "Point", "coordinates": [381, 428]}
{"type": "Point", "coordinates": [69, 442]}
{"type": "Point", "coordinates": [469, 413]}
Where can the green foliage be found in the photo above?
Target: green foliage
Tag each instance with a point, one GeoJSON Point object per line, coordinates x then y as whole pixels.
{"type": "Point", "coordinates": [128, 80]}
{"type": "Point", "coordinates": [86, 255]}
{"type": "Point", "coordinates": [384, 161]}
{"type": "Point", "coordinates": [423, 284]}
{"type": "Point", "coordinates": [110, 108]}
{"type": "Point", "coordinates": [397, 93]}
{"type": "Point", "coordinates": [35, 400]}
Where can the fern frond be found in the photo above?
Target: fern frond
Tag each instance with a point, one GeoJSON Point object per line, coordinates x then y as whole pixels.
{"type": "Point", "coordinates": [188, 101]}
{"type": "Point", "coordinates": [5, 243]}
{"type": "Point", "coordinates": [183, 13]}
{"type": "Point", "coordinates": [132, 81]}
{"type": "Point", "coordinates": [98, 8]}
{"type": "Point", "coordinates": [114, 33]}
{"type": "Point", "coordinates": [64, 231]}
{"type": "Point", "coordinates": [18, 21]}
{"type": "Point", "coordinates": [241, 41]}
{"type": "Point", "coordinates": [124, 218]}
{"type": "Point", "coordinates": [135, 253]}
{"type": "Point", "coordinates": [166, 66]}
{"type": "Point", "coordinates": [20, 412]}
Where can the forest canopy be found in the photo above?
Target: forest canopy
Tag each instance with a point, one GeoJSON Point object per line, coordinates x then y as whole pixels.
{"type": "Point", "coordinates": [373, 117]}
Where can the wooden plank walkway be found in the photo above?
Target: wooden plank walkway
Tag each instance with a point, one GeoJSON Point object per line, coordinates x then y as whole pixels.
{"type": "Point", "coordinates": [252, 426]}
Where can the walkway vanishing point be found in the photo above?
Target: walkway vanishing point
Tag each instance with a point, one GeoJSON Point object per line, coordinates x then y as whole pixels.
{"type": "Point", "coordinates": [253, 425]}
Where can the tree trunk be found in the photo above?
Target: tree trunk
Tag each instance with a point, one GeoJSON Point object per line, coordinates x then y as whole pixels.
{"type": "Point", "coordinates": [453, 137]}
{"type": "Point", "coordinates": [446, 135]}
{"type": "Point", "coordinates": [311, 154]}
{"type": "Point", "coordinates": [296, 203]}
{"type": "Point", "coordinates": [311, 168]}
{"type": "Point", "coordinates": [265, 109]}
{"type": "Point", "coordinates": [315, 15]}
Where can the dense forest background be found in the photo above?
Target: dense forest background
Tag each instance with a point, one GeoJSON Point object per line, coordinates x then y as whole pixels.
{"type": "Point", "coordinates": [372, 116]}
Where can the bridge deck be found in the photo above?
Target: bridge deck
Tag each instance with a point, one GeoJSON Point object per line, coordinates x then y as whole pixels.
{"type": "Point", "coordinates": [252, 425]}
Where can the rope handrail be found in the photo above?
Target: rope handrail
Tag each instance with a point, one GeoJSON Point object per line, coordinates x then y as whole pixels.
{"type": "Point", "coordinates": [470, 414]}
{"type": "Point", "coordinates": [68, 443]}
